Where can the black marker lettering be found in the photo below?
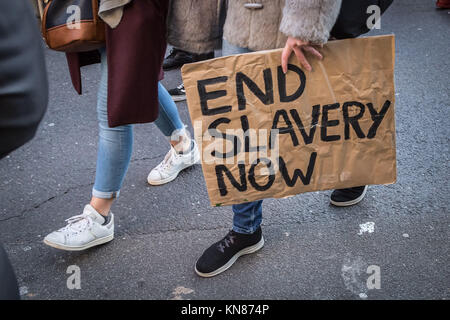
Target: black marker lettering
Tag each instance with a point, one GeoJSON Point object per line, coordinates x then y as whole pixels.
{"type": "Point", "coordinates": [221, 169]}
{"type": "Point", "coordinates": [328, 123]}
{"type": "Point", "coordinates": [308, 138]}
{"type": "Point", "coordinates": [377, 118]}
{"type": "Point", "coordinates": [353, 121]}
{"type": "Point", "coordinates": [205, 96]}
{"type": "Point", "coordinates": [271, 176]}
{"type": "Point", "coordinates": [283, 130]}
{"type": "Point", "coordinates": [284, 97]}
{"type": "Point", "coordinates": [297, 172]}
{"type": "Point", "coordinates": [266, 98]}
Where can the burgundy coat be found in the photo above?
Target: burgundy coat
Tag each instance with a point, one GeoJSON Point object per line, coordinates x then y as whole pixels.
{"type": "Point", "coordinates": [135, 51]}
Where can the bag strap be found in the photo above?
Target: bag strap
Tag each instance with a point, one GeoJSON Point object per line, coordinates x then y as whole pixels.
{"type": "Point", "coordinates": [40, 8]}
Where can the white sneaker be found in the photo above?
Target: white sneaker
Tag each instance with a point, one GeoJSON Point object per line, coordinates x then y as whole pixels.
{"type": "Point", "coordinates": [82, 232]}
{"type": "Point", "coordinates": [172, 164]}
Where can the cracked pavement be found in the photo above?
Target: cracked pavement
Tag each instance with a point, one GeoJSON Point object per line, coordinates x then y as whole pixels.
{"type": "Point", "coordinates": [312, 250]}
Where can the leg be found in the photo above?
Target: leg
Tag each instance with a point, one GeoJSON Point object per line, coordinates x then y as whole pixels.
{"type": "Point", "coordinates": [246, 236]}
{"type": "Point", "coordinates": [184, 152]}
{"type": "Point", "coordinates": [247, 217]}
{"type": "Point", "coordinates": [114, 151]}
{"type": "Point", "coordinates": [96, 225]}
{"type": "Point", "coordinates": [169, 121]}
{"type": "Point", "coordinates": [177, 58]}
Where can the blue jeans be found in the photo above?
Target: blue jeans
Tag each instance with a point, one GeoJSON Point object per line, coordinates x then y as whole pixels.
{"type": "Point", "coordinates": [116, 144]}
{"type": "Point", "coordinates": [247, 216]}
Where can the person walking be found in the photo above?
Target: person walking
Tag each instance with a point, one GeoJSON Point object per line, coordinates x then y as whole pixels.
{"type": "Point", "coordinates": [129, 93]}
{"type": "Point", "coordinates": [298, 26]}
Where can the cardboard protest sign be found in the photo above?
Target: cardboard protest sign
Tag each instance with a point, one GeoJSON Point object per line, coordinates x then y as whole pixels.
{"type": "Point", "coordinates": [267, 134]}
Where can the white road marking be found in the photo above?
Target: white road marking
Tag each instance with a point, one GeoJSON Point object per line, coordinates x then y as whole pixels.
{"type": "Point", "coordinates": [368, 227]}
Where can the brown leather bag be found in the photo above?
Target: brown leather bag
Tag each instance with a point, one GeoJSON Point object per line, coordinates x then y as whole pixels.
{"type": "Point", "coordinates": [72, 25]}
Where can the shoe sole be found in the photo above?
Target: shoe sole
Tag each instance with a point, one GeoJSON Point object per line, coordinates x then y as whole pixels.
{"type": "Point", "coordinates": [233, 259]}
{"type": "Point", "coordinates": [351, 202]}
{"type": "Point", "coordinates": [169, 179]}
{"type": "Point", "coordinates": [91, 244]}
{"type": "Point", "coordinates": [179, 98]}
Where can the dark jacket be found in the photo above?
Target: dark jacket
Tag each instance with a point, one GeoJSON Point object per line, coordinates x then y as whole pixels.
{"type": "Point", "coordinates": [135, 51]}
{"type": "Point", "coordinates": [8, 283]}
{"type": "Point", "coordinates": [23, 77]}
{"type": "Point", "coordinates": [23, 96]}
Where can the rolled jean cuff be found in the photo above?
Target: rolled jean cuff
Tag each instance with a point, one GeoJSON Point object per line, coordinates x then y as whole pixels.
{"type": "Point", "coordinates": [105, 195]}
{"type": "Point", "coordinates": [245, 231]}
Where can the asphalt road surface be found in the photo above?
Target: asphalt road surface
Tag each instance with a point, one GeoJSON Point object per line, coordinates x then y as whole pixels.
{"type": "Point", "coordinates": [313, 250]}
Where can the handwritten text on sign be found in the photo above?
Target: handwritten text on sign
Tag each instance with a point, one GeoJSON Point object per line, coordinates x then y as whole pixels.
{"type": "Point", "coordinates": [266, 134]}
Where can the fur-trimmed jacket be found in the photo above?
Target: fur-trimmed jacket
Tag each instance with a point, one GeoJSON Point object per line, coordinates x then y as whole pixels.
{"type": "Point", "coordinates": [268, 28]}
{"type": "Point", "coordinates": [195, 25]}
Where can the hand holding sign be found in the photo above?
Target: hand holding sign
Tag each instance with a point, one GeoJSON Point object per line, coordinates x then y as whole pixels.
{"type": "Point", "coordinates": [297, 45]}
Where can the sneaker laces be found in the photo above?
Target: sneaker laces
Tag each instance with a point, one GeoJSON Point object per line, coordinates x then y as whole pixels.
{"type": "Point", "coordinates": [181, 87]}
{"type": "Point", "coordinates": [78, 223]}
{"type": "Point", "coordinates": [166, 163]}
{"type": "Point", "coordinates": [226, 242]}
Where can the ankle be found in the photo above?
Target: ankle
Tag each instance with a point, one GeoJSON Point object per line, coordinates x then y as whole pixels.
{"type": "Point", "coordinates": [102, 206]}
{"type": "Point", "coordinates": [182, 142]}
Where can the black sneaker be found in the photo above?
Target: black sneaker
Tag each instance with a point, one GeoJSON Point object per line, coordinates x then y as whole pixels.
{"type": "Point", "coordinates": [178, 57]}
{"type": "Point", "coordinates": [221, 255]}
{"type": "Point", "coordinates": [178, 93]}
{"type": "Point", "coordinates": [347, 197]}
